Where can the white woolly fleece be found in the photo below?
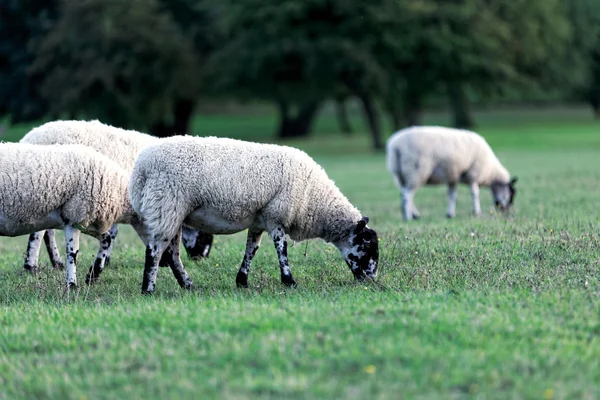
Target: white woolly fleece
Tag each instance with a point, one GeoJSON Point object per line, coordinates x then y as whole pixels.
{"type": "Point", "coordinates": [242, 184]}
{"type": "Point", "coordinates": [432, 155]}
{"type": "Point", "coordinates": [73, 183]}
{"type": "Point", "coordinates": [120, 145]}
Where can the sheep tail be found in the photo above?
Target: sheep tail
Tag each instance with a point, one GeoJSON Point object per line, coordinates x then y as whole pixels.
{"type": "Point", "coordinates": [393, 165]}
{"type": "Point", "coordinates": [160, 208]}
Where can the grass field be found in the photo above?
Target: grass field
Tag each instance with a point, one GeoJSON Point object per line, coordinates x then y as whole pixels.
{"type": "Point", "coordinates": [489, 307]}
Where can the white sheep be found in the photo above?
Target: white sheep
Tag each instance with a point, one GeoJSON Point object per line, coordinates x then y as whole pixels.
{"type": "Point", "coordinates": [431, 155]}
{"type": "Point", "coordinates": [223, 186]}
{"type": "Point", "coordinates": [70, 187]}
{"type": "Point", "coordinates": [120, 145]}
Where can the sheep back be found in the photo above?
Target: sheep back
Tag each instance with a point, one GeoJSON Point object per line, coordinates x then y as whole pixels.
{"type": "Point", "coordinates": [120, 145]}
{"type": "Point", "coordinates": [431, 155]}
{"type": "Point", "coordinates": [89, 188]}
{"type": "Point", "coordinates": [242, 180]}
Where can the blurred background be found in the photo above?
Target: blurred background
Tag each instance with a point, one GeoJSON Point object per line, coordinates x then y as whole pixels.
{"type": "Point", "coordinates": [279, 69]}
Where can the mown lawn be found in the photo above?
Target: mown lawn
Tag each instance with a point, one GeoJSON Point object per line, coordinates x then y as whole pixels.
{"type": "Point", "coordinates": [493, 307]}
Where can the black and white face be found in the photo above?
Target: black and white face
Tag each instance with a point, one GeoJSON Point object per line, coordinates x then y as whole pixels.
{"type": "Point", "coordinates": [361, 251]}
{"type": "Point", "coordinates": [504, 194]}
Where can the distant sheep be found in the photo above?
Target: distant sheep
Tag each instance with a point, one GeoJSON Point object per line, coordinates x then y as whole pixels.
{"type": "Point", "coordinates": [70, 187]}
{"type": "Point", "coordinates": [431, 155]}
{"type": "Point", "coordinates": [223, 186]}
{"type": "Point", "coordinates": [120, 145]}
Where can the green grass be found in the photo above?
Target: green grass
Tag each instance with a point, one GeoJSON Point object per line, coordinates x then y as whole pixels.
{"type": "Point", "coordinates": [489, 307]}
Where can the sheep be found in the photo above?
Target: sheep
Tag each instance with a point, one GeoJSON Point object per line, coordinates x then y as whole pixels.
{"type": "Point", "coordinates": [120, 145]}
{"type": "Point", "coordinates": [431, 155]}
{"type": "Point", "coordinates": [69, 187]}
{"type": "Point", "coordinates": [223, 186]}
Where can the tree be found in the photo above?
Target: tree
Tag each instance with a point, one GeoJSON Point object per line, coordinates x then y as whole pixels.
{"type": "Point", "coordinates": [467, 45]}
{"type": "Point", "coordinates": [297, 55]}
{"type": "Point", "coordinates": [579, 70]}
{"type": "Point", "coordinates": [22, 21]}
{"type": "Point", "coordinates": [127, 63]}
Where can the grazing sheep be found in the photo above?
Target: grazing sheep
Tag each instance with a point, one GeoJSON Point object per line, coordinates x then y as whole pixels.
{"type": "Point", "coordinates": [120, 145]}
{"type": "Point", "coordinates": [223, 186]}
{"type": "Point", "coordinates": [70, 187]}
{"type": "Point", "coordinates": [432, 155]}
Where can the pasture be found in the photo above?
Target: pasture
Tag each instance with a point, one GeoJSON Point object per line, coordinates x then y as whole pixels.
{"type": "Point", "coordinates": [490, 307]}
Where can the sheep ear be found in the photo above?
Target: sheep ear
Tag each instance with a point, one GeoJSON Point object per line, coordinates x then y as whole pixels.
{"type": "Point", "coordinates": [514, 180]}
{"type": "Point", "coordinates": [361, 224]}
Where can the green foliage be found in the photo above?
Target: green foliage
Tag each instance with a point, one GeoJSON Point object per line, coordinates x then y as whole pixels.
{"type": "Point", "coordinates": [292, 50]}
{"type": "Point", "coordinates": [122, 62]}
{"type": "Point", "coordinates": [21, 22]}
{"type": "Point", "coordinates": [486, 45]}
{"type": "Point", "coordinates": [492, 307]}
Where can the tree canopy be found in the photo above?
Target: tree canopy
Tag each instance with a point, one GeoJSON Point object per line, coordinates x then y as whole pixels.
{"type": "Point", "coordinates": [146, 63]}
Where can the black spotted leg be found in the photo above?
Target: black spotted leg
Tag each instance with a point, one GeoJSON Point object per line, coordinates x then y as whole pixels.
{"type": "Point", "coordinates": [33, 251]}
{"type": "Point", "coordinates": [53, 253]}
{"type": "Point", "coordinates": [113, 231]}
{"type": "Point", "coordinates": [174, 260]}
{"type": "Point", "coordinates": [100, 262]}
{"type": "Point", "coordinates": [154, 251]}
{"type": "Point", "coordinates": [278, 236]}
{"type": "Point", "coordinates": [252, 245]}
{"type": "Point", "coordinates": [72, 244]}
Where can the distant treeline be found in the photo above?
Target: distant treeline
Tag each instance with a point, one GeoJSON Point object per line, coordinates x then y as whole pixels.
{"type": "Point", "coordinates": [147, 64]}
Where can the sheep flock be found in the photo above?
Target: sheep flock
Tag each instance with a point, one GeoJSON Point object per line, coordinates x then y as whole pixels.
{"type": "Point", "coordinates": [88, 177]}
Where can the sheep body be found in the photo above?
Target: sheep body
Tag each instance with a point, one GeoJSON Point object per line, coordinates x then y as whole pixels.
{"type": "Point", "coordinates": [223, 186]}
{"type": "Point", "coordinates": [431, 155]}
{"type": "Point", "coordinates": [70, 187]}
{"type": "Point", "coordinates": [121, 146]}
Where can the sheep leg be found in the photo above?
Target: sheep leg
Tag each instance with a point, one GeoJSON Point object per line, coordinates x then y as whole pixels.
{"type": "Point", "coordinates": [475, 199]}
{"type": "Point", "coordinates": [278, 236]}
{"type": "Point", "coordinates": [154, 251]}
{"type": "Point", "coordinates": [100, 262]}
{"type": "Point", "coordinates": [415, 213]}
{"type": "Point", "coordinates": [52, 248]}
{"type": "Point", "coordinates": [113, 231]}
{"type": "Point", "coordinates": [252, 245]}
{"type": "Point", "coordinates": [72, 240]}
{"type": "Point", "coordinates": [174, 261]}
{"type": "Point", "coordinates": [197, 244]}
{"type": "Point", "coordinates": [33, 252]}
{"type": "Point", "coordinates": [407, 203]}
{"type": "Point", "coordinates": [452, 195]}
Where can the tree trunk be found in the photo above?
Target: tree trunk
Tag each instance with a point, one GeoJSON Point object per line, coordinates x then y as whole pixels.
{"type": "Point", "coordinates": [159, 129]}
{"type": "Point", "coordinates": [183, 110]}
{"type": "Point", "coordinates": [412, 107]}
{"type": "Point", "coordinates": [372, 120]}
{"type": "Point", "coordinates": [395, 119]}
{"type": "Point", "coordinates": [595, 103]}
{"type": "Point", "coordinates": [460, 106]}
{"type": "Point", "coordinates": [299, 125]}
{"type": "Point", "coordinates": [182, 115]}
{"type": "Point", "coordinates": [342, 116]}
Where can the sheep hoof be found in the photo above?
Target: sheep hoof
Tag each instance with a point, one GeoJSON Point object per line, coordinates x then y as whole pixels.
{"type": "Point", "coordinates": [416, 216]}
{"type": "Point", "coordinates": [32, 269]}
{"type": "Point", "coordinates": [449, 216]}
{"type": "Point", "coordinates": [198, 252]}
{"type": "Point", "coordinates": [107, 262]}
{"type": "Point", "coordinates": [147, 292]}
{"type": "Point", "coordinates": [241, 280]}
{"type": "Point", "coordinates": [189, 286]}
{"type": "Point", "coordinates": [71, 285]}
{"type": "Point", "coordinates": [58, 265]}
{"type": "Point", "coordinates": [288, 280]}
{"type": "Point", "coordinates": [90, 280]}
